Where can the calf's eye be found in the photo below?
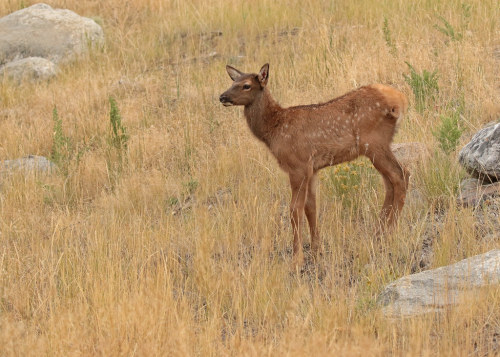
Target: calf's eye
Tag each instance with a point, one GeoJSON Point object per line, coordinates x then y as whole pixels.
{"type": "Point", "coordinates": [246, 86]}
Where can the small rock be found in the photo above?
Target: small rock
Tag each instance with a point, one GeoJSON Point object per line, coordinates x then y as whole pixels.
{"type": "Point", "coordinates": [409, 154]}
{"type": "Point", "coordinates": [481, 156]}
{"type": "Point", "coordinates": [28, 164]}
{"type": "Point", "coordinates": [473, 192]}
{"type": "Point", "coordinates": [434, 290]}
{"type": "Point", "coordinates": [30, 68]}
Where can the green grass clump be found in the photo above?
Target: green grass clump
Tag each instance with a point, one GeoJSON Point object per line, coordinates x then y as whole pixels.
{"type": "Point", "coordinates": [119, 136]}
{"type": "Point", "coordinates": [118, 140]}
{"type": "Point", "coordinates": [388, 37]}
{"type": "Point", "coordinates": [449, 131]}
{"type": "Point", "coordinates": [447, 29]}
{"type": "Point", "coordinates": [62, 146]}
{"type": "Point", "coordinates": [424, 86]}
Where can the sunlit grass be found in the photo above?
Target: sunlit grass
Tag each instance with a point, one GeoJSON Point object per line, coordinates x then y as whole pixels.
{"type": "Point", "coordinates": [186, 251]}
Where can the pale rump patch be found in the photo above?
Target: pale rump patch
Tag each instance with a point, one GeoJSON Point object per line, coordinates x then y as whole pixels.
{"type": "Point", "coordinates": [397, 101]}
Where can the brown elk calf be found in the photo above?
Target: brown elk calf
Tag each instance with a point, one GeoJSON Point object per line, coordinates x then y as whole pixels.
{"type": "Point", "coordinates": [307, 138]}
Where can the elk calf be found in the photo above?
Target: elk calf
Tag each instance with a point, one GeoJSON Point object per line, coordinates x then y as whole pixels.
{"type": "Point", "coordinates": [307, 138]}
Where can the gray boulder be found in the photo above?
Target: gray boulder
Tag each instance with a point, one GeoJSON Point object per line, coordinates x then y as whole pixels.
{"type": "Point", "coordinates": [28, 164]}
{"type": "Point", "coordinates": [434, 290]}
{"type": "Point", "coordinates": [31, 68]}
{"type": "Point", "coordinates": [481, 156]}
{"type": "Point", "coordinates": [40, 31]}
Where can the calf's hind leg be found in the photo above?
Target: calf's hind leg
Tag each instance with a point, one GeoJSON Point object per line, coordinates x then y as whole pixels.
{"type": "Point", "coordinates": [312, 219]}
{"type": "Point", "coordinates": [395, 181]}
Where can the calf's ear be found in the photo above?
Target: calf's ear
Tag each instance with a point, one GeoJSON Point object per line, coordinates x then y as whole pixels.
{"type": "Point", "coordinates": [264, 75]}
{"type": "Point", "coordinates": [233, 72]}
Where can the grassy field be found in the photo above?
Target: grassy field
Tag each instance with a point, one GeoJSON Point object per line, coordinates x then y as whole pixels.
{"type": "Point", "coordinates": [174, 238]}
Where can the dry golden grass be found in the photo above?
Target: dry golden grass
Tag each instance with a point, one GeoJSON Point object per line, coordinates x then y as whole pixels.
{"type": "Point", "coordinates": [185, 250]}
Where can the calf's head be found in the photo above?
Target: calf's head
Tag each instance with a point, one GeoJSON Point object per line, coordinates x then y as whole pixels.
{"type": "Point", "coordinates": [246, 86]}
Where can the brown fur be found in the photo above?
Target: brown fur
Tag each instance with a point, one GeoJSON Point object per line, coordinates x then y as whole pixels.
{"type": "Point", "coordinates": [307, 138]}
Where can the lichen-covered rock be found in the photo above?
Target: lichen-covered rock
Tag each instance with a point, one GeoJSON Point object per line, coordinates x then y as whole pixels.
{"type": "Point", "coordinates": [41, 31]}
{"type": "Point", "coordinates": [434, 290]}
{"type": "Point", "coordinates": [481, 156]}
{"type": "Point", "coordinates": [31, 68]}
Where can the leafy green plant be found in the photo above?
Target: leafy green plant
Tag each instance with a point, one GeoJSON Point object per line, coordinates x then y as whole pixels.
{"type": "Point", "coordinates": [119, 137]}
{"type": "Point", "coordinates": [117, 141]}
{"type": "Point", "coordinates": [467, 11]}
{"type": "Point", "coordinates": [345, 180]}
{"type": "Point", "coordinates": [448, 30]}
{"type": "Point", "coordinates": [62, 146]}
{"type": "Point", "coordinates": [388, 37]}
{"type": "Point", "coordinates": [424, 86]}
{"type": "Point", "coordinates": [450, 129]}
{"type": "Point", "coordinates": [449, 132]}
{"type": "Point", "coordinates": [191, 185]}
{"type": "Point", "coordinates": [172, 201]}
